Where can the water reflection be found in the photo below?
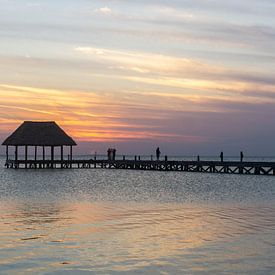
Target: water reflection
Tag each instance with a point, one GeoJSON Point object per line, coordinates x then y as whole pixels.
{"type": "Point", "coordinates": [105, 236]}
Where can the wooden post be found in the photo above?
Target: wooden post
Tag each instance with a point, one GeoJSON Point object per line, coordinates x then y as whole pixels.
{"type": "Point", "coordinates": [71, 155]}
{"type": "Point", "coordinates": [16, 155]}
{"type": "Point", "coordinates": [35, 156]}
{"type": "Point", "coordinates": [43, 156]}
{"type": "Point", "coordinates": [52, 156]}
{"type": "Point", "coordinates": [35, 153]}
{"type": "Point", "coordinates": [7, 153]}
{"type": "Point", "coordinates": [61, 155]}
{"type": "Point", "coordinates": [26, 156]}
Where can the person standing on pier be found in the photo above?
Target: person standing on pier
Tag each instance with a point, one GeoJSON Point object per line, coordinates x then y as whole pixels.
{"type": "Point", "coordinates": [221, 156]}
{"type": "Point", "coordinates": [158, 153]}
{"type": "Point", "coordinates": [114, 154]}
{"type": "Point", "coordinates": [241, 156]}
{"type": "Point", "coordinates": [109, 154]}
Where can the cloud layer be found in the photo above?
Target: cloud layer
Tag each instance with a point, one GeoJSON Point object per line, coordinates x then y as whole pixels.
{"type": "Point", "coordinates": [195, 75]}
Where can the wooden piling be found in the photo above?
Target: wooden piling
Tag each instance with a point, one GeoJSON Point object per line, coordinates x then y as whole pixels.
{"type": "Point", "coordinates": [26, 156]}
{"type": "Point", "coordinates": [52, 156]}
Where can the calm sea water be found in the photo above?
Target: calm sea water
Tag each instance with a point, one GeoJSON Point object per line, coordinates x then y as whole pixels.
{"type": "Point", "coordinates": [135, 222]}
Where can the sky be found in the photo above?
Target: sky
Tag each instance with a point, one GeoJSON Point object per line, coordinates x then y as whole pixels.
{"type": "Point", "coordinates": [191, 76]}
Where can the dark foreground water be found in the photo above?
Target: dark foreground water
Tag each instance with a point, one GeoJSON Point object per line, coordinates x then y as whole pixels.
{"type": "Point", "coordinates": [135, 222]}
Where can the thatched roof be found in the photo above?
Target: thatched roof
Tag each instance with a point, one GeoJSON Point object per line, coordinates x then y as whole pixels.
{"type": "Point", "coordinates": [40, 134]}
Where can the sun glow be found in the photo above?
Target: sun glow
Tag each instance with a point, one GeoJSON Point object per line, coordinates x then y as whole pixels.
{"type": "Point", "coordinates": [101, 117]}
{"type": "Point", "coordinates": [86, 116]}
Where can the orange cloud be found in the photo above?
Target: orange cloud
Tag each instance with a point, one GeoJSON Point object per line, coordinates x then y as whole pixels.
{"type": "Point", "coordinates": [116, 116]}
{"type": "Point", "coordinates": [86, 115]}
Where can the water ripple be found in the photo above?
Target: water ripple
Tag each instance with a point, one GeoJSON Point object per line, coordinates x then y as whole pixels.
{"type": "Point", "coordinates": [135, 222]}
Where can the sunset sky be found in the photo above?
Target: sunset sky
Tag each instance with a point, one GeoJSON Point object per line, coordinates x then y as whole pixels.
{"type": "Point", "coordinates": [190, 76]}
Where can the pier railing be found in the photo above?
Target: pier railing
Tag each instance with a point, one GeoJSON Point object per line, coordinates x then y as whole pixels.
{"type": "Point", "coordinates": [225, 167]}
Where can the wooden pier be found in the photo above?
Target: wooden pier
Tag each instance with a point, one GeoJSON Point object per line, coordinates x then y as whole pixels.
{"type": "Point", "coordinates": [225, 167]}
{"type": "Point", "coordinates": [49, 135]}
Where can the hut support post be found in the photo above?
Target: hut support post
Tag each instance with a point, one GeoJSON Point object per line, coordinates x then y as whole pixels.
{"type": "Point", "coordinates": [16, 156]}
{"type": "Point", "coordinates": [71, 155]}
{"type": "Point", "coordinates": [61, 155]}
{"type": "Point", "coordinates": [16, 153]}
{"type": "Point", "coordinates": [52, 156]}
{"type": "Point", "coordinates": [26, 156]}
{"type": "Point", "coordinates": [43, 153]}
{"type": "Point", "coordinates": [35, 156]}
{"type": "Point", "coordinates": [7, 153]}
{"type": "Point", "coordinates": [35, 153]}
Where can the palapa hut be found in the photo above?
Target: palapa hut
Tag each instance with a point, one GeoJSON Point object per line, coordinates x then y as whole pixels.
{"type": "Point", "coordinates": [39, 134]}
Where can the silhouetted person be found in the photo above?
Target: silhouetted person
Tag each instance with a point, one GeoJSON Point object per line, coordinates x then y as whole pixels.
{"type": "Point", "coordinates": [198, 158]}
{"type": "Point", "coordinates": [158, 153]}
{"type": "Point", "coordinates": [109, 151]}
{"type": "Point", "coordinates": [241, 156]}
{"type": "Point", "coordinates": [166, 158]}
{"type": "Point", "coordinates": [221, 156]}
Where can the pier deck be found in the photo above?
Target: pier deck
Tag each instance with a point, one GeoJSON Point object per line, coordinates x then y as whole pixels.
{"type": "Point", "coordinates": [226, 167]}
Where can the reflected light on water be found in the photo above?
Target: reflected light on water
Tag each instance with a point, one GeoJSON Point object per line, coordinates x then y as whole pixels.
{"type": "Point", "coordinates": [124, 237]}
